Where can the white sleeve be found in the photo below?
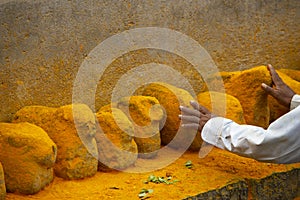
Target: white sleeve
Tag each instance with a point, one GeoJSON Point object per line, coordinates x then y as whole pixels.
{"type": "Point", "coordinates": [280, 143]}
{"type": "Point", "coordinates": [295, 101]}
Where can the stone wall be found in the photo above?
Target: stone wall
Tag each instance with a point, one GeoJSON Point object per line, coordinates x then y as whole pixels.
{"type": "Point", "coordinates": [43, 43]}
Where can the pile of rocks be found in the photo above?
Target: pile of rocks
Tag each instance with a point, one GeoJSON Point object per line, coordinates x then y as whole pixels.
{"type": "Point", "coordinates": [72, 142]}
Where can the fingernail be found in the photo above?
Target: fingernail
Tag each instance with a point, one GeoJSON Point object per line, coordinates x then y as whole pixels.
{"type": "Point", "coordinates": [179, 116]}
{"type": "Point", "coordinates": [264, 85]}
{"type": "Point", "coordinates": [180, 107]}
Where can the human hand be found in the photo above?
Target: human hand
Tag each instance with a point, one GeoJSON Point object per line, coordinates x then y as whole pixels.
{"type": "Point", "coordinates": [195, 118]}
{"type": "Point", "coordinates": [281, 92]}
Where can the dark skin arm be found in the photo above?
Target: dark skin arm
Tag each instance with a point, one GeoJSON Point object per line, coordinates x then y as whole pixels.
{"type": "Point", "coordinates": [196, 118]}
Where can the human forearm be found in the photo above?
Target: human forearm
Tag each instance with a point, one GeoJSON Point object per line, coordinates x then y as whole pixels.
{"type": "Point", "coordinates": [280, 143]}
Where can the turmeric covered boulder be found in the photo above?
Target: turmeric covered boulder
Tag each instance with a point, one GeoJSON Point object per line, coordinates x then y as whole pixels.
{"type": "Point", "coordinates": [39, 115]}
{"type": "Point", "coordinates": [72, 128]}
{"type": "Point", "coordinates": [116, 147]}
{"type": "Point", "coordinates": [145, 114]}
{"type": "Point", "coordinates": [232, 108]}
{"type": "Point", "coordinates": [27, 155]}
{"type": "Point", "coordinates": [2, 184]}
{"type": "Point", "coordinates": [171, 97]}
{"type": "Point", "coordinates": [294, 74]}
{"type": "Point", "coordinates": [246, 87]}
{"type": "Point", "coordinates": [276, 109]}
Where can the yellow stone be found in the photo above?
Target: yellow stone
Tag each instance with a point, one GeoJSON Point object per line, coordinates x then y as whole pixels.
{"type": "Point", "coordinates": [145, 113]}
{"type": "Point", "coordinates": [72, 128]}
{"type": "Point", "coordinates": [232, 110]}
{"type": "Point", "coordinates": [171, 97]}
{"type": "Point", "coordinates": [2, 184]}
{"type": "Point", "coordinates": [246, 87]}
{"type": "Point", "coordinates": [27, 155]}
{"type": "Point", "coordinates": [294, 74]}
{"type": "Point", "coordinates": [116, 147]}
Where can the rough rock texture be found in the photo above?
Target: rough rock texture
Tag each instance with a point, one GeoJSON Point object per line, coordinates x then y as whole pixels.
{"type": "Point", "coordinates": [116, 146]}
{"type": "Point", "coordinates": [171, 98]}
{"type": "Point", "coordinates": [276, 109]}
{"type": "Point", "coordinates": [72, 128]}
{"type": "Point", "coordinates": [246, 87]}
{"type": "Point", "coordinates": [27, 155]}
{"type": "Point", "coordinates": [276, 186]}
{"type": "Point", "coordinates": [238, 190]}
{"type": "Point", "coordinates": [233, 110]}
{"type": "Point", "coordinates": [39, 115]}
{"type": "Point", "coordinates": [2, 184]}
{"type": "Point", "coordinates": [145, 114]}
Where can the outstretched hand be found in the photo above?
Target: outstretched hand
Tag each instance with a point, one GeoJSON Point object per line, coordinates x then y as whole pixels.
{"type": "Point", "coordinates": [195, 118]}
{"type": "Point", "coordinates": [281, 92]}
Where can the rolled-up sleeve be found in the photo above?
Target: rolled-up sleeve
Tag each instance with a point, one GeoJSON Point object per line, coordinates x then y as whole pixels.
{"type": "Point", "coordinates": [280, 143]}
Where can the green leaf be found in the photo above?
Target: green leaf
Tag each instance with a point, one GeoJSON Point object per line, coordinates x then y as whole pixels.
{"type": "Point", "coordinates": [141, 195]}
{"type": "Point", "coordinates": [189, 164]}
{"type": "Point", "coordinates": [150, 191]}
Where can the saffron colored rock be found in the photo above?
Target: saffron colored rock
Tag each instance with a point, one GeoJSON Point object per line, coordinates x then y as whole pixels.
{"type": "Point", "coordinates": [145, 114]}
{"type": "Point", "coordinates": [27, 155]}
{"type": "Point", "coordinates": [276, 109]}
{"type": "Point", "coordinates": [171, 97]}
{"type": "Point", "coordinates": [223, 105]}
{"type": "Point", "coordinates": [116, 146]}
{"type": "Point", "coordinates": [72, 128]}
{"type": "Point", "coordinates": [2, 184]}
{"type": "Point", "coordinates": [294, 74]}
{"type": "Point", "coordinates": [246, 87]}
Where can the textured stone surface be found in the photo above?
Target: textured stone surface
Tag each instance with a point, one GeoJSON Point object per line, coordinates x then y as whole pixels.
{"type": "Point", "coordinates": [237, 190]}
{"type": "Point", "coordinates": [116, 146]}
{"type": "Point", "coordinates": [27, 155]}
{"type": "Point", "coordinates": [276, 109]}
{"type": "Point", "coordinates": [146, 115]}
{"type": "Point", "coordinates": [246, 87]}
{"type": "Point", "coordinates": [276, 186]}
{"type": "Point", "coordinates": [44, 42]}
{"type": "Point", "coordinates": [171, 97]}
{"type": "Point", "coordinates": [72, 128]}
{"type": "Point", "coordinates": [2, 184]}
{"type": "Point", "coordinates": [233, 109]}
{"type": "Point", "coordinates": [294, 74]}
{"type": "Point", "coordinates": [39, 115]}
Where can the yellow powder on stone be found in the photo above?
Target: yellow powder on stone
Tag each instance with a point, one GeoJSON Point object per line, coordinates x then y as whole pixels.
{"type": "Point", "coordinates": [141, 109]}
{"type": "Point", "coordinates": [294, 74]}
{"type": "Point", "coordinates": [276, 109]}
{"type": "Point", "coordinates": [171, 97]}
{"type": "Point", "coordinates": [2, 184]}
{"type": "Point", "coordinates": [232, 110]}
{"type": "Point", "coordinates": [116, 147]}
{"type": "Point", "coordinates": [27, 155]}
{"type": "Point", "coordinates": [146, 114]}
{"type": "Point", "coordinates": [246, 87]}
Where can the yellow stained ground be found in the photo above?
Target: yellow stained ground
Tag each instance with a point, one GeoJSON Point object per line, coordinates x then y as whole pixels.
{"type": "Point", "coordinates": [215, 170]}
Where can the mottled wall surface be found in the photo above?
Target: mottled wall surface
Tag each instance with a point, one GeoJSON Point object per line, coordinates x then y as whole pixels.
{"type": "Point", "coordinates": [43, 43]}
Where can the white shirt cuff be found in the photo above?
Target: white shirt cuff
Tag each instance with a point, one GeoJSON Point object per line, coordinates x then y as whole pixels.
{"type": "Point", "coordinates": [212, 131]}
{"type": "Point", "coordinates": [295, 101]}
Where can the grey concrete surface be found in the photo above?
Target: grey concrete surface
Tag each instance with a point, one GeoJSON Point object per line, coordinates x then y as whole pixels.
{"type": "Point", "coordinates": [43, 43]}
